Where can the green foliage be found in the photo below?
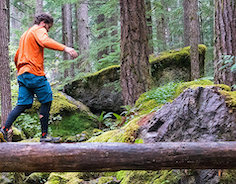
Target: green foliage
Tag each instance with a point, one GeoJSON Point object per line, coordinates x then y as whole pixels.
{"type": "Point", "coordinates": [129, 112]}
{"type": "Point", "coordinates": [162, 94]}
{"type": "Point", "coordinates": [105, 33]}
{"type": "Point", "coordinates": [228, 61]}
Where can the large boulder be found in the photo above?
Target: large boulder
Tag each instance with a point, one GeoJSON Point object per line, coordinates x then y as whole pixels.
{"type": "Point", "coordinates": [101, 91]}
{"type": "Point", "coordinates": [201, 115]}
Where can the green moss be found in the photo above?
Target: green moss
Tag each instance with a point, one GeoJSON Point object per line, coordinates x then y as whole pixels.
{"type": "Point", "coordinates": [228, 177]}
{"type": "Point", "coordinates": [17, 134]}
{"type": "Point", "coordinates": [60, 178]}
{"type": "Point", "coordinates": [230, 98]}
{"type": "Point", "coordinates": [103, 71]}
{"type": "Point", "coordinates": [73, 124]}
{"type": "Point", "coordinates": [103, 180]}
{"type": "Point", "coordinates": [126, 134]}
{"type": "Point", "coordinates": [59, 104]}
{"type": "Point", "coordinates": [187, 85]}
{"type": "Point", "coordinates": [175, 55]}
{"type": "Point", "coordinates": [147, 177]}
{"type": "Point", "coordinates": [37, 178]}
{"type": "Point", "coordinates": [155, 98]}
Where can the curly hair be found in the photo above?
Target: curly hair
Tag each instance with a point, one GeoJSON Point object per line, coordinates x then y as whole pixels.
{"type": "Point", "coordinates": [47, 18]}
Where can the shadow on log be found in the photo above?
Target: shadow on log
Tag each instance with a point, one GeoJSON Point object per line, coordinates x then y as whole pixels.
{"type": "Point", "coordinates": [48, 157]}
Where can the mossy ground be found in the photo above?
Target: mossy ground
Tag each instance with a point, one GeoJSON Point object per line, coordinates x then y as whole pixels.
{"type": "Point", "coordinates": [73, 124]}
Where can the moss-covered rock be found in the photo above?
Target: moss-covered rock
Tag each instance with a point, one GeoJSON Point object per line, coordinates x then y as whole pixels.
{"type": "Point", "coordinates": [147, 177]}
{"type": "Point", "coordinates": [59, 104]}
{"type": "Point", "coordinates": [127, 134]}
{"type": "Point", "coordinates": [18, 135]}
{"type": "Point", "coordinates": [228, 177]}
{"type": "Point", "coordinates": [107, 180]}
{"type": "Point", "coordinates": [175, 65]}
{"type": "Point", "coordinates": [67, 118]}
{"type": "Point", "coordinates": [73, 124]}
{"type": "Point", "coordinates": [37, 178]}
{"type": "Point", "coordinates": [101, 91]}
{"type": "Point", "coordinates": [61, 178]}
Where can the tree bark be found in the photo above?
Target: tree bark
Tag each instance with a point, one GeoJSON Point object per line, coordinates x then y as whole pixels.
{"type": "Point", "coordinates": [135, 66]}
{"type": "Point", "coordinates": [149, 25]}
{"type": "Point", "coordinates": [225, 39]}
{"type": "Point", "coordinates": [186, 22]}
{"type": "Point", "coordinates": [67, 34]}
{"type": "Point", "coordinates": [47, 157]}
{"type": "Point", "coordinates": [83, 34]}
{"type": "Point", "coordinates": [194, 39]}
{"type": "Point", "coordinates": [5, 83]}
{"type": "Point", "coordinates": [39, 7]}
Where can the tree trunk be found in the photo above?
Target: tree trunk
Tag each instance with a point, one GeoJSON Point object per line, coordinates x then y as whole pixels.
{"type": "Point", "coordinates": [194, 39]}
{"type": "Point", "coordinates": [67, 33]}
{"type": "Point", "coordinates": [225, 39]}
{"type": "Point", "coordinates": [5, 82]}
{"type": "Point", "coordinates": [83, 35]}
{"type": "Point", "coordinates": [135, 66]}
{"type": "Point", "coordinates": [186, 22]}
{"type": "Point", "coordinates": [149, 24]}
{"type": "Point", "coordinates": [33, 157]}
{"type": "Point", "coordinates": [39, 7]}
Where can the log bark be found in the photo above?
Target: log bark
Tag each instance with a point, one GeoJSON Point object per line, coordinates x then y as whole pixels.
{"type": "Point", "coordinates": [48, 157]}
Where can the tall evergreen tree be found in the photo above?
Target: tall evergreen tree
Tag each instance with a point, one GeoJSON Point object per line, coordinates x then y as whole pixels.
{"type": "Point", "coordinates": [5, 84]}
{"type": "Point", "coordinates": [39, 7]}
{"type": "Point", "coordinates": [83, 34]}
{"type": "Point", "coordinates": [194, 39]}
{"type": "Point", "coordinates": [149, 24]}
{"type": "Point", "coordinates": [225, 39]}
{"type": "Point", "coordinates": [186, 22]}
{"type": "Point", "coordinates": [135, 67]}
{"type": "Point", "coordinates": [67, 34]}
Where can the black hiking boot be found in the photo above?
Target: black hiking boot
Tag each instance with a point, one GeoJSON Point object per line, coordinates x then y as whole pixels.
{"type": "Point", "coordinates": [3, 135]}
{"type": "Point", "coordinates": [50, 139]}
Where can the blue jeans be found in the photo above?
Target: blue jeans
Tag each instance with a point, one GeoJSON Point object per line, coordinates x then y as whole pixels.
{"type": "Point", "coordinates": [30, 84]}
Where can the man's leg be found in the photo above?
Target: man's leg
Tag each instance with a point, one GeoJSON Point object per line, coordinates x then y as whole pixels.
{"type": "Point", "coordinates": [12, 117]}
{"type": "Point", "coordinates": [44, 116]}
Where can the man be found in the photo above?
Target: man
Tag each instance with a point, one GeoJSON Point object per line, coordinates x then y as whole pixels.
{"type": "Point", "coordinates": [29, 60]}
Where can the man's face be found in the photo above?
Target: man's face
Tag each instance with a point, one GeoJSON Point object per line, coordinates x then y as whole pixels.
{"type": "Point", "coordinates": [47, 26]}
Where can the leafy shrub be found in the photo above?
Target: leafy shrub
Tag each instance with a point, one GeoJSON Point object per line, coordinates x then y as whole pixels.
{"type": "Point", "coordinates": [162, 94]}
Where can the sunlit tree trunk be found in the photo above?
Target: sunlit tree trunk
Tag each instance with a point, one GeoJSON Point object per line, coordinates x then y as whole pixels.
{"type": "Point", "coordinates": [149, 24]}
{"type": "Point", "coordinates": [83, 35]}
{"type": "Point", "coordinates": [39, 7]}
{"type": "Point", "coordinates": [67, 34]}
{"type": "Point", "coordinates": [186, 22]}
{"type": "Point", "coordinates": [135, 67]}
{"type": "Point", "coordinates": [225, 39]}
{"type": "Point", "coordinates": [5, 84]}
{"type": "Point", "coordinates": [194, 39]}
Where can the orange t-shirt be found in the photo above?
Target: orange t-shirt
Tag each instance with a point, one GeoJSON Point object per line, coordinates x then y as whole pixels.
{"type": "Point", "coordinates": [30, 54]}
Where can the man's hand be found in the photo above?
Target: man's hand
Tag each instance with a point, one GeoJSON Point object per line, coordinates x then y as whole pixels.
{"type": "Point", "coordinates": [71, 51]}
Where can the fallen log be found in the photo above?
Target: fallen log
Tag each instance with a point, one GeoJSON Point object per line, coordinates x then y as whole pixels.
{"type": "Point", "coordinates": [48, 157]}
